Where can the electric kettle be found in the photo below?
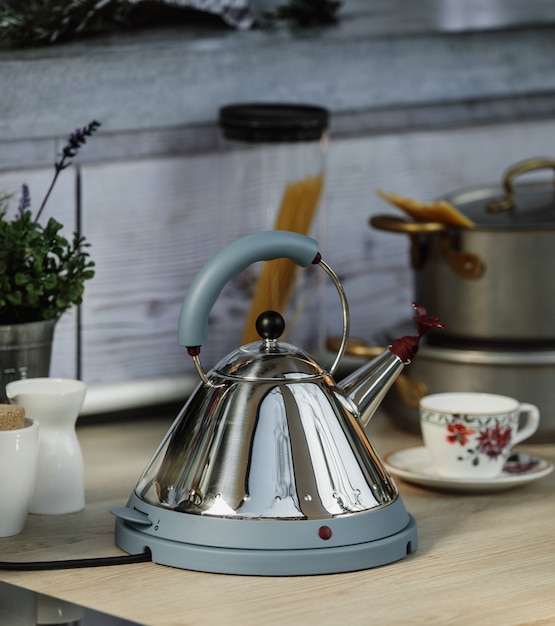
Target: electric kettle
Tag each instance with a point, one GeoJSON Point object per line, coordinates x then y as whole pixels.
{"type": "Point", "coordinates": [267, 469]}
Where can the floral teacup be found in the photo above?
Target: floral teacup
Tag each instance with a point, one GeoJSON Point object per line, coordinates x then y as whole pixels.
{"type": "Point", "coordinates": [470, 435]}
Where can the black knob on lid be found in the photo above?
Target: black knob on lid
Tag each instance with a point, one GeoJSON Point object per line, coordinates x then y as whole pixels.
{"type": "Point", "coordinates": [270, 325]}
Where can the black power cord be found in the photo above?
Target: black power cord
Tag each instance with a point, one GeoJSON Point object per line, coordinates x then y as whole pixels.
{"type": "Point", "coordinates": [31, 566]}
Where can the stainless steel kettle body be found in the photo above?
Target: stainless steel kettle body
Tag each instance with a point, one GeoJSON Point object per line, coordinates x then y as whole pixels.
{"type": "Point", "coordinates": [267, 469]}
{"type": "Point", "coordinates": [267, 449]}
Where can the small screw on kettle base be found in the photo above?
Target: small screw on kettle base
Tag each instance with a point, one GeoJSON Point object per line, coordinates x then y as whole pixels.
{"type": "Point", "coordinates": [267, 469]}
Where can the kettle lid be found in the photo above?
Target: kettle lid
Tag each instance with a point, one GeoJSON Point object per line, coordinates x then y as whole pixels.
{"type": "Point", "coordinates": [267, 359]}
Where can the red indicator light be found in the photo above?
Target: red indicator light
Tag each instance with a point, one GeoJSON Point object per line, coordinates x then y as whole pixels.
{"type": "Point", "coordinates": [324, 532]}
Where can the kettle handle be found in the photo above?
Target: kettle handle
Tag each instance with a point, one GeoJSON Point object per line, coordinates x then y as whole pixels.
{"type": "Point", "coordinates": [233, 259]}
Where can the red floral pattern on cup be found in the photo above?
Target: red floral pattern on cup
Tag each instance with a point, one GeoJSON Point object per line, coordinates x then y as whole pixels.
{"type": "Point", "coordinates": [459, 433]}
{"type": "Point", "coordinates": [491, 441]}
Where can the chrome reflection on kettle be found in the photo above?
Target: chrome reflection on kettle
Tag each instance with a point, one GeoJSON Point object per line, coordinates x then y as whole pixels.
{"type": "Point", "coordinates": [267, 469]}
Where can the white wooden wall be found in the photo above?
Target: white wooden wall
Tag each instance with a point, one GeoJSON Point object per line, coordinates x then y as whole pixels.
{"type": "Point", "coordinates": [153, 223]}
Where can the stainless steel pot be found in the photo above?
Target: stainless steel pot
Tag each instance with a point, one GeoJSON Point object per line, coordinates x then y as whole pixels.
{"type": "Point", "coordinates": [525, 375]}
{"type": "Point", "coordinates": [493, 282]}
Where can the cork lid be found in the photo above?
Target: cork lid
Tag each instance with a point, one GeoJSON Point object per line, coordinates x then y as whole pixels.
{"type": "Point", "coordinates": [12, 417]}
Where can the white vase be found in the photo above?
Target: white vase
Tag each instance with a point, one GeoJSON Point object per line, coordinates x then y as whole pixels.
{"type": "Point", "coordinates": [55, 403]}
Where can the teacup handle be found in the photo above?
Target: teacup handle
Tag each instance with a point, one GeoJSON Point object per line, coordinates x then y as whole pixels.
{"type": "Point", "coordinates": [531, 424]}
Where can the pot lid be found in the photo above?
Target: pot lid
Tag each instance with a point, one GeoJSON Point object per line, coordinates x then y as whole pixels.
{"type": "Point", "coordinates": [510, 205]}
{"type": "Point", "coordinates": [504, 356]}
{"type": "Point", "coordinates": [534, 206]}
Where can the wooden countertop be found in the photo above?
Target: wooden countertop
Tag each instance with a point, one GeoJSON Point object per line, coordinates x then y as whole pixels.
{"type": "Point", "coordinates": [482, 559]}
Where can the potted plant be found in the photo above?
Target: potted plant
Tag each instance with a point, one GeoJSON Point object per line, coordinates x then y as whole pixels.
{"type": "Point", "coordinates": [42, 275]}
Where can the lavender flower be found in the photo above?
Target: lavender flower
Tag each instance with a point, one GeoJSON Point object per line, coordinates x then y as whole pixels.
{"type": "Point", "coordinates": [76, 139]}
{"type": "Point", "coordinates": [24, 201]}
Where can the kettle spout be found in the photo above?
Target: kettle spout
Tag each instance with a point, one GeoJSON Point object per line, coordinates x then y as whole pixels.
{"type": "Point", "coordinates": [367, 386]}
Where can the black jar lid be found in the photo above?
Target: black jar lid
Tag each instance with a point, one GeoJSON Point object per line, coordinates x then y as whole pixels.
{"type": "Point", "coordinates": [269, 122]}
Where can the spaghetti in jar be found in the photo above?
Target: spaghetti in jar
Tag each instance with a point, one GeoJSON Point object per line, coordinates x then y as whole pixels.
{"type": "Point", "coordinates": [277, 155]}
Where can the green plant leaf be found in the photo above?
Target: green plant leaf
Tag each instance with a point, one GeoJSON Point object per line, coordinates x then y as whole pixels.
{"type": "Point", "coordinates": [21, 279]}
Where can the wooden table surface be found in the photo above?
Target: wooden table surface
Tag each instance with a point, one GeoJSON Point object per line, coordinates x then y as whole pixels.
{"type": "Point", "coordinates": [482, 559]}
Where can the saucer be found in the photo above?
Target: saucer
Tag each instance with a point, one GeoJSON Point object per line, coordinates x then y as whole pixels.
{"type": "Point", "coordinates": [414, 466]}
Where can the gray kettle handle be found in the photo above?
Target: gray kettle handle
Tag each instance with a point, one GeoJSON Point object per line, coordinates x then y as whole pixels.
{"type": "Point", "coordinates": [233, 259]}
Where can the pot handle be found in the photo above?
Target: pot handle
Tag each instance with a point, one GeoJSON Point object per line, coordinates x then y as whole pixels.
{"type": "Point", "coordinates": [233, 259]}
{"type": "Point", "coordinates": [467, 265]}
{"type": "Point", "coordinates": [395, 224]}
{"type": "Point", "coordinates": [520, 168]}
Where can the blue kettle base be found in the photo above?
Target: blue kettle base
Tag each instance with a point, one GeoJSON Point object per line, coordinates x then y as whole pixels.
{"type": "Point", "coordinates": [257, 561]}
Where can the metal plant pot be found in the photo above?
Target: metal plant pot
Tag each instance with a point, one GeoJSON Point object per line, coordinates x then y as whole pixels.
{"type": "Point", "coordinates": [25, 352]}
